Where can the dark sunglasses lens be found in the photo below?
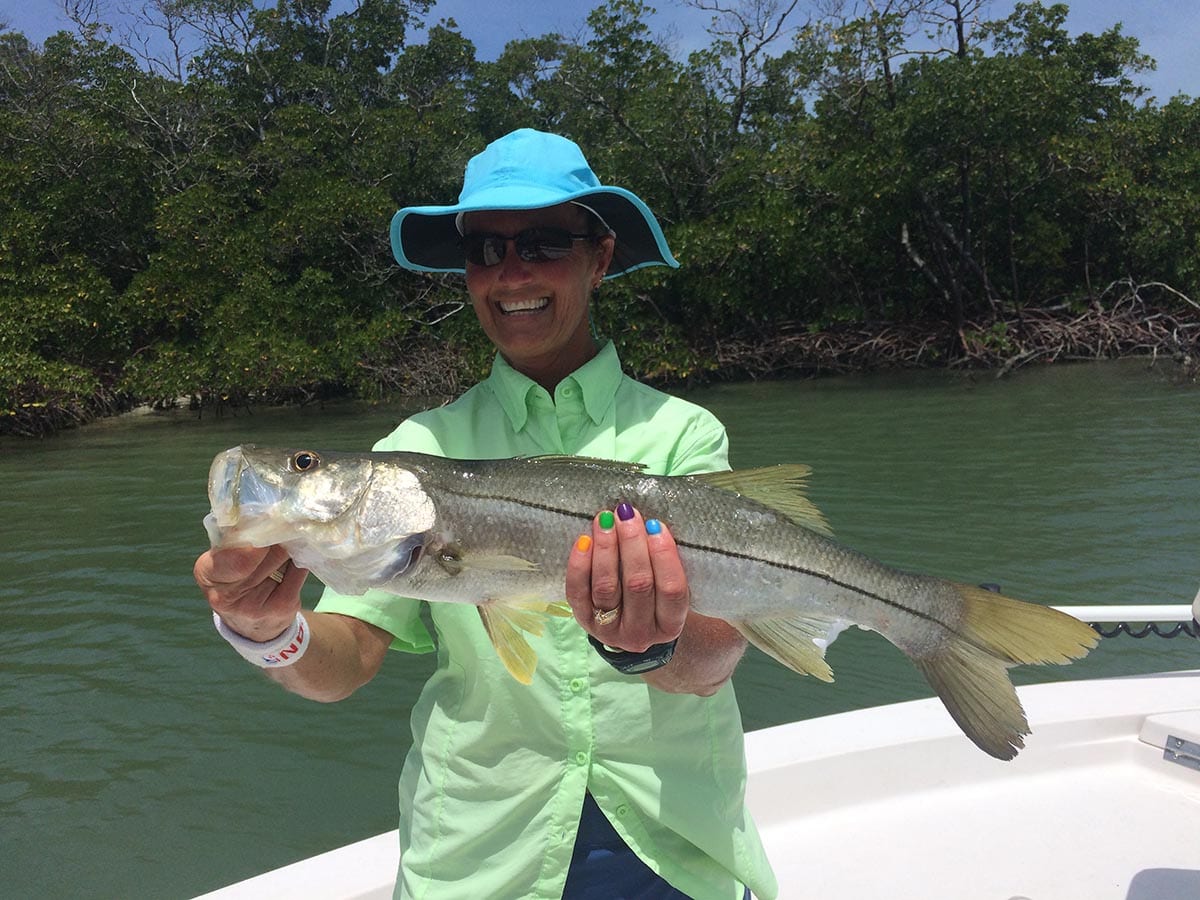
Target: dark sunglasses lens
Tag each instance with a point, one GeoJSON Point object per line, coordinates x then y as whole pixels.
{"type": "Point", "coordinates": [533, 245]}
{"type": "Point", "coordinates": [483, 249]}
{"type": "Point", "coordinates": [542, 244]}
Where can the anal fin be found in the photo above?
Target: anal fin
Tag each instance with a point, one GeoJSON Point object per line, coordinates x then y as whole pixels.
{"type": "Point", "coordinates": [793, 642]}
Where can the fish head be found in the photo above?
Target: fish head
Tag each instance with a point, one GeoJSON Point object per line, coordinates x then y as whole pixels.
{"type": "Point", "coordinates": [354, 521]}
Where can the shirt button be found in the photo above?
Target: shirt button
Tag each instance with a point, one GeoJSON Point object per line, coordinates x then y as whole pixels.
{"type": "Point", "coordinates": [622, 811]}
{"type": "Point", "coordinates": [577, 685]}
{"type": "Point", "coordinates": [581, 758]}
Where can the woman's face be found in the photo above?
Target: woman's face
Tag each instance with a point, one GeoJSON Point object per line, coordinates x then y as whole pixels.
{"type": "Point", "coordinates": [536, 313]}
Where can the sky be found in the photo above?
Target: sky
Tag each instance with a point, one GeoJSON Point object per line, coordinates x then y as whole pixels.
{"type": "Point", "coordinates": [1167, 29]}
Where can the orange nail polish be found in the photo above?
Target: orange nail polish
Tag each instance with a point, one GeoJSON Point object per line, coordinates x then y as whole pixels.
{"type": "Point", "coordinates": [584, 544]}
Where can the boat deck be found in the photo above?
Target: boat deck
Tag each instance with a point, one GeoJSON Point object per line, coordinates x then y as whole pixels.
{"type": "Point", "coordinates": [893, 802]}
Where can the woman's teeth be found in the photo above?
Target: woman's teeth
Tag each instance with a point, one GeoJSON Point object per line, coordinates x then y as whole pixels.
{"type": "Point", "coordinates": [516, 306]}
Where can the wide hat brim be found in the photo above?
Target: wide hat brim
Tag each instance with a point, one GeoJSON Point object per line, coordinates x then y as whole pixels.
{"type": "Point", "coordinates": [528, 169]}
{"type": "Point", "coordinates": [426, 238]}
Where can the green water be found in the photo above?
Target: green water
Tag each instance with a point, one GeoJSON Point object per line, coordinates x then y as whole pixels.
{"type": "Point", "coordinates": [140, 757]}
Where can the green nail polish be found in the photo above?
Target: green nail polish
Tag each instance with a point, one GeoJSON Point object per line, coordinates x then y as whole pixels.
{"type": "Point", "coordinates": [606, 520]}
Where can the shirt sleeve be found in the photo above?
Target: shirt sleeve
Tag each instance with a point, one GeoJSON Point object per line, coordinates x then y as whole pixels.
{"type": "Point", "coordinates": [702, 447]}
{"type": "Point", "coordinates": [399, 616]}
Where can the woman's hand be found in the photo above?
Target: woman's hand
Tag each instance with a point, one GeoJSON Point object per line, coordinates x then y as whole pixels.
{"type": "Point", "coordinates": [627, 588]}
{"type": "Point", "coordinates": [255, 590]}
{"type": "Point", "coordinates": [625, 581]}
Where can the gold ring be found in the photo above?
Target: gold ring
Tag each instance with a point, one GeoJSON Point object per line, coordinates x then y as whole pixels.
{"type": "Point", "coordinates": [277, 575]}
{"type": "Point", "coordinates": [605, 616]}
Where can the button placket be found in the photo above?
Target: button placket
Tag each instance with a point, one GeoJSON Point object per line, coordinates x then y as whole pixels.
{"type": "Point", "coordinates": [576, 701]}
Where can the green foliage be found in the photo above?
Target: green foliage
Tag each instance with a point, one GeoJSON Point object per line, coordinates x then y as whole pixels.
{"type": "Point", "coordinates": [38, 396]}
{"type": "Point", "coordinates": [217, 230]}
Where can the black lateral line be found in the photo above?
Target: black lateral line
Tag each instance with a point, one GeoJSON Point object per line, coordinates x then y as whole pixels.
{"type": "Point", "coordinates": [705, 548]}
{"type": "Point", "coordinates": [812, 573]}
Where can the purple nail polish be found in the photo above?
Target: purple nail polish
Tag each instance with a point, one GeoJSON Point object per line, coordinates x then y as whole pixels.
{"type": "Point", "coordinates": [624, 512]}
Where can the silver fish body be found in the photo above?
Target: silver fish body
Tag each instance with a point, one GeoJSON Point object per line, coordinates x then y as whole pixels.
{"type": "Point", "coordinates": [497, 533]}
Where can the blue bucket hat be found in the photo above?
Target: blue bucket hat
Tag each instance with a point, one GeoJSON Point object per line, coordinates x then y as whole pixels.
{"type": "Point", "coordinates": [529, 169]}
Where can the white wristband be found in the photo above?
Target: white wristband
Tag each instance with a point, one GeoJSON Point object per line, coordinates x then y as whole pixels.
{"type": "Point", "coordinates": [275, 654]}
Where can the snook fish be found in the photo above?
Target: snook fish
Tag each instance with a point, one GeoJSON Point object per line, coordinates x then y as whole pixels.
{"type": "Point", "coordinates": [497, 533]}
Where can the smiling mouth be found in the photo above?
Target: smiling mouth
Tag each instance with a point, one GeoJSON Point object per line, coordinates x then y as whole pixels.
{"type": "Point", "coordinates": [514, 307]}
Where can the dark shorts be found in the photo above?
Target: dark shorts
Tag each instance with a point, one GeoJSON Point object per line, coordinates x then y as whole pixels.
{"type": "Point", "coordinates": [604, 868]}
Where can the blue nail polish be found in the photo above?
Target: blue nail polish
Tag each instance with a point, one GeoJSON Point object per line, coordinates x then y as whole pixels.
{"type": "Point", "coordinates": [624, 512]}
{"type": "Point", "coordinates": [653, 526]}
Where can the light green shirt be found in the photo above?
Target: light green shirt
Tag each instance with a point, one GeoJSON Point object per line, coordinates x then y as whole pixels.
{"type": "Point", "coordinates": [492, 788]}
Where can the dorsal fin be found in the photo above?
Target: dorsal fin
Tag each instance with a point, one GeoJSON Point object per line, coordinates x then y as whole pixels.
{"type": "Point", "coordinates": [780, 487]}
{"type": "Point", "coordinates": [615, 465]}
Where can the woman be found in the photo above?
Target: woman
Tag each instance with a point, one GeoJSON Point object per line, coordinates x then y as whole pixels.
{"type": "Point", "coordinates": [619, 771]}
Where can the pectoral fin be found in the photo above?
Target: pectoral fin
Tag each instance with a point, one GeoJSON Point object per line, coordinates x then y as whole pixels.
{"type": "Point", "coordinates": [497, 563]}
{"type": "Point", "coordinates": [508, 621]}
{"type": "Point", "coordinates": [454, 560]}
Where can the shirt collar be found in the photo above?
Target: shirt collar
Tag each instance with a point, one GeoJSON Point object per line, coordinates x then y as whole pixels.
{"type": "Point", "coordinates": [597, 379]}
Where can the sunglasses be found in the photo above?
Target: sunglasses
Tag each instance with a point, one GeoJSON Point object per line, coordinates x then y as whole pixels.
{"type": "Point", "coordinates": [534, 245]}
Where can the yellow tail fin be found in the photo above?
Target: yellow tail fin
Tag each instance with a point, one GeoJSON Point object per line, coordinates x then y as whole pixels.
{"type": "Point", "coordinates": [970, 671]}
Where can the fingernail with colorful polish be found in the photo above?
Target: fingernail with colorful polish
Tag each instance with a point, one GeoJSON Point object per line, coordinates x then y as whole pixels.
{"type": "Point", "coordinates": [624, 512]}
{"type": "Point", "coordinates": [584, 544]}
{"type": "Point", "coordinates": [606, 521]}
{"type": "Point", "coordinates": [653, 526]}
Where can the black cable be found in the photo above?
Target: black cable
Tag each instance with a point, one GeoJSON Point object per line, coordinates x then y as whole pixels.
{"type": "Point", "coordinates": [1191, 629]}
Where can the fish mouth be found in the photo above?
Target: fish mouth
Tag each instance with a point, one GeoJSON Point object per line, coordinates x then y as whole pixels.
{"type": "Point", "coordinates": [237, 490]}
{"type": "Point", "coordinates": [519, 307]}
{"type": "Point", "coordinates": [224, 478]}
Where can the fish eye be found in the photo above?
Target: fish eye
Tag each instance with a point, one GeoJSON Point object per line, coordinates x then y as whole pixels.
{"type": "Point", "coordinates": [303, 461]}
